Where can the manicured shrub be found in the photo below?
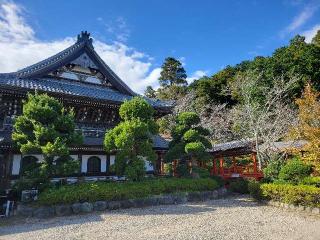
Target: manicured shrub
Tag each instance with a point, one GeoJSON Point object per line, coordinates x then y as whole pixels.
{"type": "Point", "coordinates": [271, 172]}
{"type": "Point", "coordinates": [294, 171]}
{"type": "Point", "coordinates": [90, 192]}
{"type": "Point", "coordinates": [239, 186]}
{"type": "Point", "coordinates": [292, 194]}
{"type": "Point", "coordinates": [314, 181]}
{"type": "Point", "coordinates": [254, 189]}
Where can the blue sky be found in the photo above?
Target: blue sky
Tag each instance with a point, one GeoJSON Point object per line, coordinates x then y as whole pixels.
{"type": "Point", "coordinates": [135, 36]}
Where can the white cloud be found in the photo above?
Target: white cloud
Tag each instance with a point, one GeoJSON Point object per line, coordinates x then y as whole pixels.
{"type": "Point", "coordinates": [307, 13]}
{"type": "Point", "coordinates": [20, 48]}
{"type": "Point", "coordinates": [196, 75]}
{"type": "Point", "coordinates": [309, 34]}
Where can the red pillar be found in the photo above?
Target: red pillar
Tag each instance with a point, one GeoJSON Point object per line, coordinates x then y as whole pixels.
{"type": "Point", "coordinates": [255, 165]}
{"type": "Point", "coordinates": [221, 166]}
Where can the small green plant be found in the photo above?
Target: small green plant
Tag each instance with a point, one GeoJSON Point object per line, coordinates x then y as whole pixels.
{"type": "Point", "coordinates": [254, 189]}
{"type": "Point", "coordinates": [239, 186]}
{"type": "Point", "coordinates": [294, 171]}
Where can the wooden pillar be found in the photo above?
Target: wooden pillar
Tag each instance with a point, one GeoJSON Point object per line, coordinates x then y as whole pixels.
{"type": "Point", "coordinates": [161, 164]}
{"type": "Point", "coordinates": [214, 168]}
{"type": "Point", "coordinates": [221, 166]}
{"type": "Point", "coordinates": [174, 166]}
{"type": "Point", "coordinates": [234, 163]}
{"type": "Point", "coordinates": [255, 165]}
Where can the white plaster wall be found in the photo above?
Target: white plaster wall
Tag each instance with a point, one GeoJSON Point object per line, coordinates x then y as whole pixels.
{"type": "Point", "coordinates": [112, 159]}
{"type": "Point", "coordinates": [149, 167]}
{"type": "Point", "coordinates": [85, 158]}
{"type": "Point", "coordinates": [16, 164]}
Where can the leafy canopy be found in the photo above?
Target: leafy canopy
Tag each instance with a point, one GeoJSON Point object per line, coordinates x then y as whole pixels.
{"type": "Point", "coordinates": [46, 127]}
{"type": "Point", "coordinates": [132, 138]}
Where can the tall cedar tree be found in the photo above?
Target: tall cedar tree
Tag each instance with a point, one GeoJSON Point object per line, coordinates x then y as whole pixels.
{"type": "Point", "coordinates": [308, 127]}
{"type": "Point", "coordinates": [132, 138]}
{"type": "Point", "coordinates": [46, 127]}
{"type": "Point", "coordinates": [172, 73]}
{"type": "Point", "coordinates": [189, 141]}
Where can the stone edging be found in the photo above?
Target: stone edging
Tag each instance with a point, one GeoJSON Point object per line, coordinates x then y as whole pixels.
{"type": "Point", "coordinates": [86, 207]}
{"type": "Point", "coordinates": [313, 210]}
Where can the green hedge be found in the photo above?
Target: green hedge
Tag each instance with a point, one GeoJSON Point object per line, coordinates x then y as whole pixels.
{"type": "Point", "coordinates": [292, 194]}
{"type": "Point", "coordinates": [120, 191]}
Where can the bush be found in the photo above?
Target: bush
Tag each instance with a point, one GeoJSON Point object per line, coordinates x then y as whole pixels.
{"type": "Point", "coordinates": [136, 170]}
{"type": "Point", "coordinates": [203, 172]}
{"type": "Point", "coordinates": [183, 170]}
{"type": "Point", "coordinates": [239, 186]}
{"type": "Point", "coordinates": [294, 171]}
{"type": "Point", "coordinates": [120, 191]}
{"type": "Point", "coordinates": [292, 194]}
{"type": "Point", "coordinates": [254, 189]}
{"type": "Point", "coordinates": [314, 181]}
{"type": "Point", "coordinates": [271, 172]}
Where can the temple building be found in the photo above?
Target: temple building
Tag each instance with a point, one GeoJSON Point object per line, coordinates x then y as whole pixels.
{"type": "Point", "coordinates": [79, 78]}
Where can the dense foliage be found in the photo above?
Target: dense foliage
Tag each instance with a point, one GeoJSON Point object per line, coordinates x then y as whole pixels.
{"type": "Point", "coordinates": [132, 138]}
{"type": "Point", "coordinates": [294, 171]}
{"type": "Point", "coordinates": [298, 58]}
{"type": "Point", "coordinates": [46, 127]}
{"type": "Point", "coordinates": [122, 191]}
{"type": "Point", "coordinates": [292, 194]}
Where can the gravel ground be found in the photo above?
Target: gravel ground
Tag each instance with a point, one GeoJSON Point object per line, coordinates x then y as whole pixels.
{"type": "Point", "coordinates": [233, 218]}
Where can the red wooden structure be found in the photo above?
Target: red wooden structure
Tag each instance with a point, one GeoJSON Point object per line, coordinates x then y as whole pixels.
{"type": "Point", "coordinates": [235, 149]}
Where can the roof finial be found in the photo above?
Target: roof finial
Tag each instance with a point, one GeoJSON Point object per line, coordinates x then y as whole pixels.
{"type": "Point", "coordinates": [84, 36]}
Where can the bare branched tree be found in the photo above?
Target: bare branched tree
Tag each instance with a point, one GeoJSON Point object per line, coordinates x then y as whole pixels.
{"type": "Point", "coordinates": [264, 114]}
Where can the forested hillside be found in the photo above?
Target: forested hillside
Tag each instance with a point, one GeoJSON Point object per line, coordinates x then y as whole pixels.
{"type": "Point", "coordinates": [253, 100]}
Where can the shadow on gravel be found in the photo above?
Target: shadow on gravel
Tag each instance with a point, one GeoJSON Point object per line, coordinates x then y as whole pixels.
{"type": "Point", "coordinates": [191, 207]}
{"type": "Point", "coordinates": [18, 225]}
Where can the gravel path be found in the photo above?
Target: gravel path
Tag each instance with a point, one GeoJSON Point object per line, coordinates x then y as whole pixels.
{"type": "Point", "coordinates": [231, 218]}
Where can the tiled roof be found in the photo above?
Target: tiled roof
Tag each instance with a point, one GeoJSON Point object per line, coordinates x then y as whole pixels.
{"type": "Point", "coordinates": [35, 76]}
{"type": "Point", "coordinates": [71, 87]}
{"type": "Point", "coordinates": [158, 141]}
{"type": "Point", "coordinates": [231, 145]}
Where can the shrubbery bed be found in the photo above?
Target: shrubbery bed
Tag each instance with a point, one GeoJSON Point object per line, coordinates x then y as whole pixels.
{"type": "Point", "coordinates": [120, 191]}
{"type": "Point", "coordinates": [292, 194]}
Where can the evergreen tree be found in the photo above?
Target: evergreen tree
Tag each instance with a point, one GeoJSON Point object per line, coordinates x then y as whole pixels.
{"type": "Point", "coordinates": [132, 138]}
{"type": "Point", "coordinates": [150, 92]}
{"type": "Point", "coordinates": [189, 141]}
{"type": "Point", "coordinates": [172, 73]}
{"type": "Point", "coordinates": [46, 127]}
